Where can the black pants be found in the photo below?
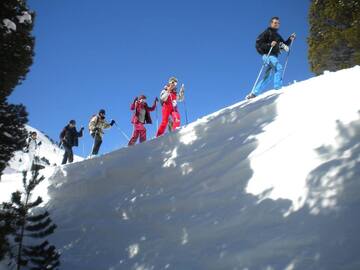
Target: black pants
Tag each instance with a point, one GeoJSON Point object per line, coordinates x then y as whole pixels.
{"type": "Point", "coordinates": [97, 143]}
{"type": "Point", "coordinates": [68, 155]}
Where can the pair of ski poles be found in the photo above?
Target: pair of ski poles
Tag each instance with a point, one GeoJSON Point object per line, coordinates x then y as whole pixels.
{"type": "Point", "coordinates": [265, 63]}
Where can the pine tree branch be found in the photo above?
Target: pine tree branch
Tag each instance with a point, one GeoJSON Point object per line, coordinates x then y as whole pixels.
{"type": "Point", "coordinates": [44, 233]}
{"type": "Point", "coordinates": [37, 218]}
{"type": "Point", "coordinates": [38, 226]}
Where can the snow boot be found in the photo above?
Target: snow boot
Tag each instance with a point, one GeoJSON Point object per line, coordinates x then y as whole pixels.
{"type": "Point", "coordinates": [250, 96]}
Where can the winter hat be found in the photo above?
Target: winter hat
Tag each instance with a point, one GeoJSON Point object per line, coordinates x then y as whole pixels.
{"type": "Point", "coordinates": [73, 122]}
{"type": "Point", "coordinates": [173, 79]}
{"type": "Point", "coordinates": [102, 111]}
{"type": "Point", "coordinates": [142, 97]}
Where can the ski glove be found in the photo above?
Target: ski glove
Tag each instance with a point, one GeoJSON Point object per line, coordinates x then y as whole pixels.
{"type": "Point", "coordinates": [284, 47]}
{"type": "Point", "coordinates": [40, 143]}
{"type": "Point", "coordinates": [182, 90]}
{"type": "Point", "coordinates": [112, 122]}
{"type": "Point", "coordinates": [181, 95]}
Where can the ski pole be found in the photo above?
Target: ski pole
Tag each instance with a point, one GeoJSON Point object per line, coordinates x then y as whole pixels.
{"type": "Point", "coordinates": [186, 114]}
{"type": "Point", "coordinates": [262, 68]}
{"type": "Point", "coordinates": [157, 118]}
{"type": "Point", "coordinates": [157, 121]}
{"type": "Point", "coordinates": [185, 108]}
{"type": "Point", "coordinates": [83, 150]}
{"type": "Point", "coordinates": [122, 132]}
{"type": "Point", "coordinates": [287, 59]}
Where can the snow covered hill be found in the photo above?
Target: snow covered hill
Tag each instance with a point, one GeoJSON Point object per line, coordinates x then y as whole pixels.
{"type": "Point", "coordinates": [272, 183]}
{"type": "Point", "coordinates": [51, 154]}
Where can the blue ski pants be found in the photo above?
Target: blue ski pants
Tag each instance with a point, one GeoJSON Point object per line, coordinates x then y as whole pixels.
{"type": "Point", "coordinates": [273, 71]}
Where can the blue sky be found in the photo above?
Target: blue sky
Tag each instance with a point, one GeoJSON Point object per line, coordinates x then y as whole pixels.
{"type": "Point", "coordinates": [101, 54]}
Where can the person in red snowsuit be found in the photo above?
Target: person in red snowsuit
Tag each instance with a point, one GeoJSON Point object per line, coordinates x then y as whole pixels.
{"type": "Point", "coordinates": [140, 117]}
{"type": "Point", "coordinates": [169, 98]}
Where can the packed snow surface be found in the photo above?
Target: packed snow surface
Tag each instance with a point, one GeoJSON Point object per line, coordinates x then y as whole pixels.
{"type": "Point", "coordinates": [271, 183]}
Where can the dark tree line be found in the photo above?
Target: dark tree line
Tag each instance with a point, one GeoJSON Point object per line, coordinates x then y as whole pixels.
{"type": "Point", "coordinates": [16, 57]}
{"type": "Point", "coordinates": [334, 41]}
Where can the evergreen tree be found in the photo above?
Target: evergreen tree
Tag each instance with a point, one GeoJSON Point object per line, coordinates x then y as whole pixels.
{"type": "Point", "coordinates": [16, 44]}
{"type": "Point", "coordinates": [334, 41]}
{"type": "Point", "coordinates": [16, 54]}
{"type": "Point", "coordinates": [21, 221]}
{"type": "Point", "coordinates": [5, 230]}
{"type": "Point", "coordinates": [13, 133]}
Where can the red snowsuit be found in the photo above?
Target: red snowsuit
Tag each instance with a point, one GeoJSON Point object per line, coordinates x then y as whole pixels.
{"type": "Point", "coordinates": [169, 108]}
{"type": "Point", "coordinates": [141, 109]}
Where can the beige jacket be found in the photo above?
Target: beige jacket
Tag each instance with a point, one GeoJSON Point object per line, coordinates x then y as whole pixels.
{"type": "Point", "coordinates": [97, 124]}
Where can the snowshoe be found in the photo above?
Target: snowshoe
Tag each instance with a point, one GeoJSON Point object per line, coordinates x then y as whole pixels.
{"type": "Point", "coordinates": [250, 96]}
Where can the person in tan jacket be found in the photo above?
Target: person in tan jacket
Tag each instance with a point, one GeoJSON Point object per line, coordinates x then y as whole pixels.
{"type": "Point", "coordinates": [97, 125]}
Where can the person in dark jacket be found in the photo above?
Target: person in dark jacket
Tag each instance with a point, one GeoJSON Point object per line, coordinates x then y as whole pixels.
{"type": "Point", "coordinates": [69, 137]}
{"type": "Point", "coordinates": [271, 42]}
{"type": "Point", "coordinates": [140, 117]}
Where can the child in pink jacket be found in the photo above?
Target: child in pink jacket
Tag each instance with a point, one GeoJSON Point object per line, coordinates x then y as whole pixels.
{"type": "Point", "coordinates": [140, 117]}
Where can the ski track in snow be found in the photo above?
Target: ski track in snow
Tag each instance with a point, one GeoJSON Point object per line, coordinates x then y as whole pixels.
{"type": "Point", "coordinates": [268, 183]}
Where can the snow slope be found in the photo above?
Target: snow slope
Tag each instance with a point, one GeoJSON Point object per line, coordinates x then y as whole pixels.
{"type": "Point", "coordinates": [271, 183]}
{"type": "Point", "coordinates": [11, 180]}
